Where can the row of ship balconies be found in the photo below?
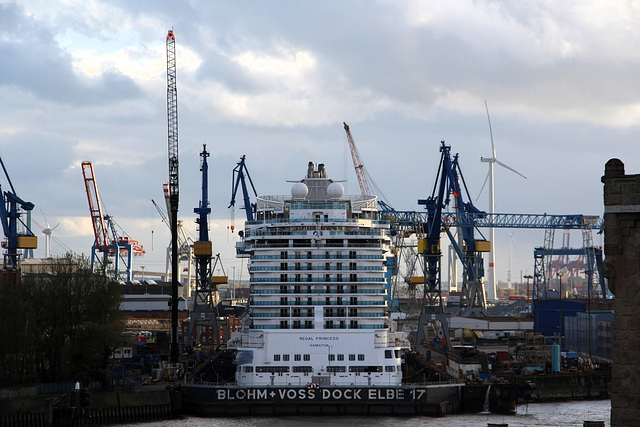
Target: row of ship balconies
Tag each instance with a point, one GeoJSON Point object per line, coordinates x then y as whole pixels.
{"type": "Point", "coordinates": [290, 314]}
{"type": "Point", "coordinates": [325, 326]}
{"type": "Point", "coordinates": [316, 279]}
{"type": "Point", "coordinates": [300, 267]}
{"type": "Point", "coordinates": [311, 244]}
{"type": "Point", "coordinates": [298, 255]}
{"type": "Point", "coordinates": [271, 232]}
{"type": "Point", "coordinates": [317, 291]}
{"type": "Point", "coordinates": [349, 302]}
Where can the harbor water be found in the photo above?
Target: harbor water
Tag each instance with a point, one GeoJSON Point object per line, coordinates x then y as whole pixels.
{"type": "Point", "coordinates": [562, 414]}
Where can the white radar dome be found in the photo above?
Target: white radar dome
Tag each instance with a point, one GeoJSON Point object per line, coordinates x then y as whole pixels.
{"type": "Point", "coordinates": [299, 191]}
{"type": "Point", "coordinates": [335, 191]}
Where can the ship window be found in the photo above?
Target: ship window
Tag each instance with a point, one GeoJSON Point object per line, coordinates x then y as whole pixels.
{"type": "Point", "coordinates": [283, 255]}
{"type": "Point", "coordinates": [352, 357]}
{"type": "Point", "coordinates": [388, 354]}
{"type": "Point", "coordinates": [389, 368]}
{"type": "Point", "coordinates": [332, 357]}
{"type": "Point", "coordinates": [276, 357]}
{"type": "Point", "coordinates": [297, 357]}
{"type": "Point", "coordinates": [326, 255]}
{"type": "Point", "coordinates": [365, 368]}
{"type": "Point", "coordinates": [309, 255]}
{"type": "Point", "coordinates": [248, 369]}
{"type": "Point", "coordinates": [285, 357]}
{"type": "Point", "coordinates": [283, 277]}
{"type": "Point", "coordinates": [306, 357]}
{"type": "Point", "coordinates": [336, 369]}
{"type": "Point", "coordinates": [361, 357]}
{"type": "Point", "coordinates": [272, 369]}
{"type": "Point", "coordinates": [308, 324]}
{"type": "Point", "coordinates": [302, 369]}
{"type": "Point", "coordinates": [397, 354]}
{"type": "Point", "coordinates": [352, 254]}
{"type": "Point", "coordinates": [340, 357]}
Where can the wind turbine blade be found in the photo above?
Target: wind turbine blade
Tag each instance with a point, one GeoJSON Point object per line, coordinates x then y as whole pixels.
{"type": "Point", "coordinates": [45, 217]}
{"type": "Point", "coordinates": [493, 148]}
{"type": "Point", "coordinates": [55, 226]}
{"type": "Point", "coordinates": [484, 184]}
{"type": "Point", "coordinates": [510, 168]}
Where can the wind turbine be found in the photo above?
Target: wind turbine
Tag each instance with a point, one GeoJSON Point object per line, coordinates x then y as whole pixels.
{"type": "Point", "coordinates": [491, 295]}
{"type": "Point", "coordinates": [47, 231]}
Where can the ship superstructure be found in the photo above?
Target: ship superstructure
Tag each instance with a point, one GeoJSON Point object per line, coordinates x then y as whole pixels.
{"type": "Point", "coordinates": [317, 308]}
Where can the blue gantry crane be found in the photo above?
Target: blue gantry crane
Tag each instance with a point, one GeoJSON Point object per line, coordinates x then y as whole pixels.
{"type": "Point", "coordinates": [17, 232]}
{"type": "Point", "coordinates": [204, 307]}
{"type": "Point", "coordinates": [464, 216]}
{"type": "Point", "coordinates": [240, 176]}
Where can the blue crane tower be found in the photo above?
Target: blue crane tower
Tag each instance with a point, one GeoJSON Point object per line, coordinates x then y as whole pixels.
{"type": "Point", "coordinates": [17, 232]}
{"type": "Point", "coordinates": [472, 301]}
{"type": "Point", "coordinates": [204, 308]}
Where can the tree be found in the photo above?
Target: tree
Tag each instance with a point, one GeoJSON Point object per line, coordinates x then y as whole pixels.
{"type": "Point", "coordinates": [70, 319]}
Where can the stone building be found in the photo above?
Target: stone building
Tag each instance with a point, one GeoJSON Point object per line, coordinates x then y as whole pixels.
{"type": "Point", "coordinates": [622, 269]}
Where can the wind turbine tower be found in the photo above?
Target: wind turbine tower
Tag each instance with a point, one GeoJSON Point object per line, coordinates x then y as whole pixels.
{"type": "Point", "coordinates": [48, 231]}
{"type": "Point", "coordinates": [491, 294]}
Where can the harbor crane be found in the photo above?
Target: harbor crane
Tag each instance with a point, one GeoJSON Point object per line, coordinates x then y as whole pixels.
{"type": "Point", "coordinates": [107, 239]}
{"type": "Point", "coordinates": [391, 260]}
{"type": "Point", "coordinates": [17, 232]}
{"type": "Point", "coordinates": [185, 241]}
{"type": "Point", "coordinates": [204, 307]}
{"type": "Point", "coordinates": [239, 177]}
{"type": "Point", "coordinates": [174, 193]}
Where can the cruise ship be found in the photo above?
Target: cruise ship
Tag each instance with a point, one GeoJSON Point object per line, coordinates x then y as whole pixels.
{"type": "Point", "coordinates": [318, 313]}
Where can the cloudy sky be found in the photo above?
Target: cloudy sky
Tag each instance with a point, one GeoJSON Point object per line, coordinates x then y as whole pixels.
{"type": "Point", "coordinates": [274, 80]}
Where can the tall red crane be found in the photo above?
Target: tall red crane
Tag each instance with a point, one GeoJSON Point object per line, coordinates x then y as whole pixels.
{"type": "Point", "coordinates": [118, 244]}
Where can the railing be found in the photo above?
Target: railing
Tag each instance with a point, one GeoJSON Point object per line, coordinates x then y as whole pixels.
{"type": "Point", "coordinates": [306, 303]}
{"type": "Point", "coordinates": [314, 280]}
{"type": "Point", "coordinates": [318, 292]}
{"type": "Point", "coordinates": [317, 268]}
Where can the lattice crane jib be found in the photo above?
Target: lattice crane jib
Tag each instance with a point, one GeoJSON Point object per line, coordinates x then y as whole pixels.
{"type": "Point", "coordinates": [95, 206]}
{"type": "Point", "coordinates": [172, 121]}
{"type": "Point", "coordinates": [357, 163]}
{"type": "Point", "coordinates": [172, 117]}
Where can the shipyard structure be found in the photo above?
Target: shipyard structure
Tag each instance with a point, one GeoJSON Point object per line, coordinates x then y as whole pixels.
{"type": "Point", "coordinates": [318, 336]}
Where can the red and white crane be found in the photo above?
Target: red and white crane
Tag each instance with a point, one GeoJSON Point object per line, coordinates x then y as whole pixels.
{"type": "Point", "coordinates": [108, 240]}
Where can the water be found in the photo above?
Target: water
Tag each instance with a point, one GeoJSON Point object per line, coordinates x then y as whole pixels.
{"type": "Point", "coordinates": [562, 414]}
